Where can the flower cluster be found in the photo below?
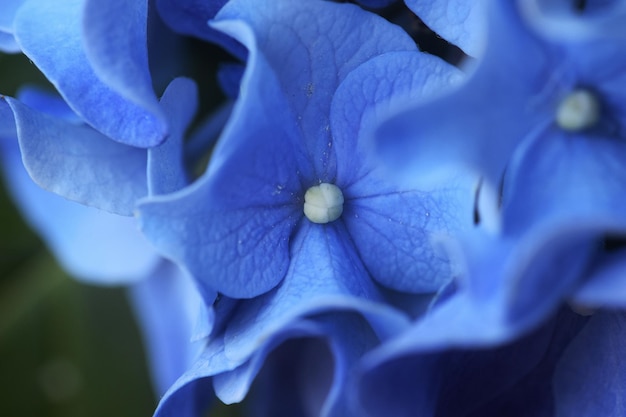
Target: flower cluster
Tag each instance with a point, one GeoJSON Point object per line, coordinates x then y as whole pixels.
{"type": "Point", "coordinates": [392, 208]}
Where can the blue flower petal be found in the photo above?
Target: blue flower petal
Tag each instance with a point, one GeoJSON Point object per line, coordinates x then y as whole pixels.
{"type": "Point", "coordinates": [87, 167]}
{"type": "Point", "coordinates": [231, 228]}
{"type": "Point", "coordinates": [559, 19]}
{"type": "Point", "coordinates": [188, 396]}
{"type": "Point", "coordinates": [325, 273]}
{"type": "Point", "coordinates": [560, 178]}
{"type": "Point", "coordinates": [461, 22]}
{"type": "Point", "coordinates": [167, 306]}
{"type": "Point", "coordinates": [348, 338]}
{"type": "Point", "coordinates": [92, 245]}
{"type": "Point", "coordinates": [115, 38]}
{"type": "Point", "coordinates": [8, 10]}
{"type": "Point", "coordinates": [166, 170]}
{"type": "Point", "coordinates": [590, 378]}
{"type": "Point", "coordinates": [379, 206]}
{"type": "Point", "coordinates": [481, 122]}
{"type": "Point", "coordinates": [191, 17]}
{"type": "Point", "coordinates": [58, 51]}
{"type": "Point", "coordinates": [8, 44]}
{"type": "Point", "coordinates": [311, 65]}
{"type": "Point", "coordinates": [606, 285]}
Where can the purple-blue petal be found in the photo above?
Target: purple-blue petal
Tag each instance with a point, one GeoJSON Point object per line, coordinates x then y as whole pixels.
{"type": "Point", "coordinates": [591, 375]}
{"type": "Point", "coordinates": [605, 286]}
{"type": "Point", "coordinates": [8, 10]}
{"type": "Point", "coordinates": [115, 39]}
{"type": "Point", "coordinates": [325, 273]}
{"type": "Point", "coordinates": [311, 65]}
{"type": "Point", "coordinates": [166, 170]}
{"type": "Point", "coordinates": [480, 123]}
{"type": "Point", "coordinates": [58, 50]}
{"type": "Point", "coordinates": [231, 229]}
{"type": "Point", "coordinates": [92, 245]}
{"type": "Point", "coordinates": [394, 222]}
{"type": "Point", "coordinates": [86, 167]}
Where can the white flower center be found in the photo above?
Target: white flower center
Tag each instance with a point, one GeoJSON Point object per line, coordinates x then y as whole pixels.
{"type": "Point", "coordinates": [578, 111]}
{"type": "Point", "coordinates": [323, 203]}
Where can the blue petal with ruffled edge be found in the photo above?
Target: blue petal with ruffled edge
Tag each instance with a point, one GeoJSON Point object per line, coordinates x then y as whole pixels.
{"type": "Point", "coordinates": [87, 167]}
{"type": "Point", "coordinates": [92, 245]}
{"type": "Point", "coordinates": [461, 22]}
{"type": "Point", "coordinates": [115, 37]}
{"type": "Point", "coordinates": [325, 273]}
{"type": "Point", "coordinates": [131, 116]}
{"type": "Point", "coordinates": [8, 10]}
{"type": "Point", "coordinates": [232, 228]}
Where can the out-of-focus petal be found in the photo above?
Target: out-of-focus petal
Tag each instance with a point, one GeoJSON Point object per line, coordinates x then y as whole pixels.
{"type": "Point", "coordinates": [92, 245]}
{"type": "Point", "coordinates": [591, 375]}
{"type": "Point", "coordinates": [605, 286]}
{"type": "Point", "coordinates": [8, 10]}
{"type": "Point", "coordinates": [480, 123]}
{"type": "Point", "coordinates": [560, 19]}
{"type": "Point", "coordinates": [167, 305]}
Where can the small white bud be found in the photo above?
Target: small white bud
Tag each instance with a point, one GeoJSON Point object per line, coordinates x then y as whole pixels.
{"type": "Point", "coordinates": [578, 111]}
{"type": "Point", "coordinates": [323, 203]}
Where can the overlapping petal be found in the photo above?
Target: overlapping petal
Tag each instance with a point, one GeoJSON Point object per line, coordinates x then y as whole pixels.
{"type": "Point", "coordinates": [131, 116]}
{"type": "Point", "coordinates": [88, 167]}
{"type": "Point", "coordinates": [480, 123]}
{"type": "Point", "coordinates": [115, 39]}
{"type": "Point", "coordinates": [461, 22]}
{"type": "Point", "coordinates": [8, 10]}
{"type": "Point", "coordinates": [590, 377]}
{"type": "Point", "coordinates": [447, 381]}
{"type": "Point", "coordinates": [311, 65]}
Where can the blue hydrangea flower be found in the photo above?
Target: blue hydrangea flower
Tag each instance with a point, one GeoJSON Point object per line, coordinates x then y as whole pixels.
{"type": "Point", "coordinates": [254, 190]}
{"type": "Point", "coordinates": [564, 183]}
{"type": "Point", "coordinates": [243, 230]}
{"type": "Point", "coordinates": [557, 132]}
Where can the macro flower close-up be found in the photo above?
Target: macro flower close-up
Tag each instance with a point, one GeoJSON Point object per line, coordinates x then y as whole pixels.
{"type": "Point", "coordinates": [313, 207]}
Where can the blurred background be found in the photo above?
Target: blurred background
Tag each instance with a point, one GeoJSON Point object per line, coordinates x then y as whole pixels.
{"type": "Point", "coordinates": [66, 349]}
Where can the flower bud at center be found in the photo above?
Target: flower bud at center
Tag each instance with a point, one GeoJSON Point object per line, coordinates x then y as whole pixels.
{"type": "Point", "coordinates": [578, 111]}
{"type": "Point", "coordinates": [323, 203]}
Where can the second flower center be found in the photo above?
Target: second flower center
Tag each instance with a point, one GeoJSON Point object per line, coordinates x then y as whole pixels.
{"type": "Point", "coordinates": [578, 111]}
